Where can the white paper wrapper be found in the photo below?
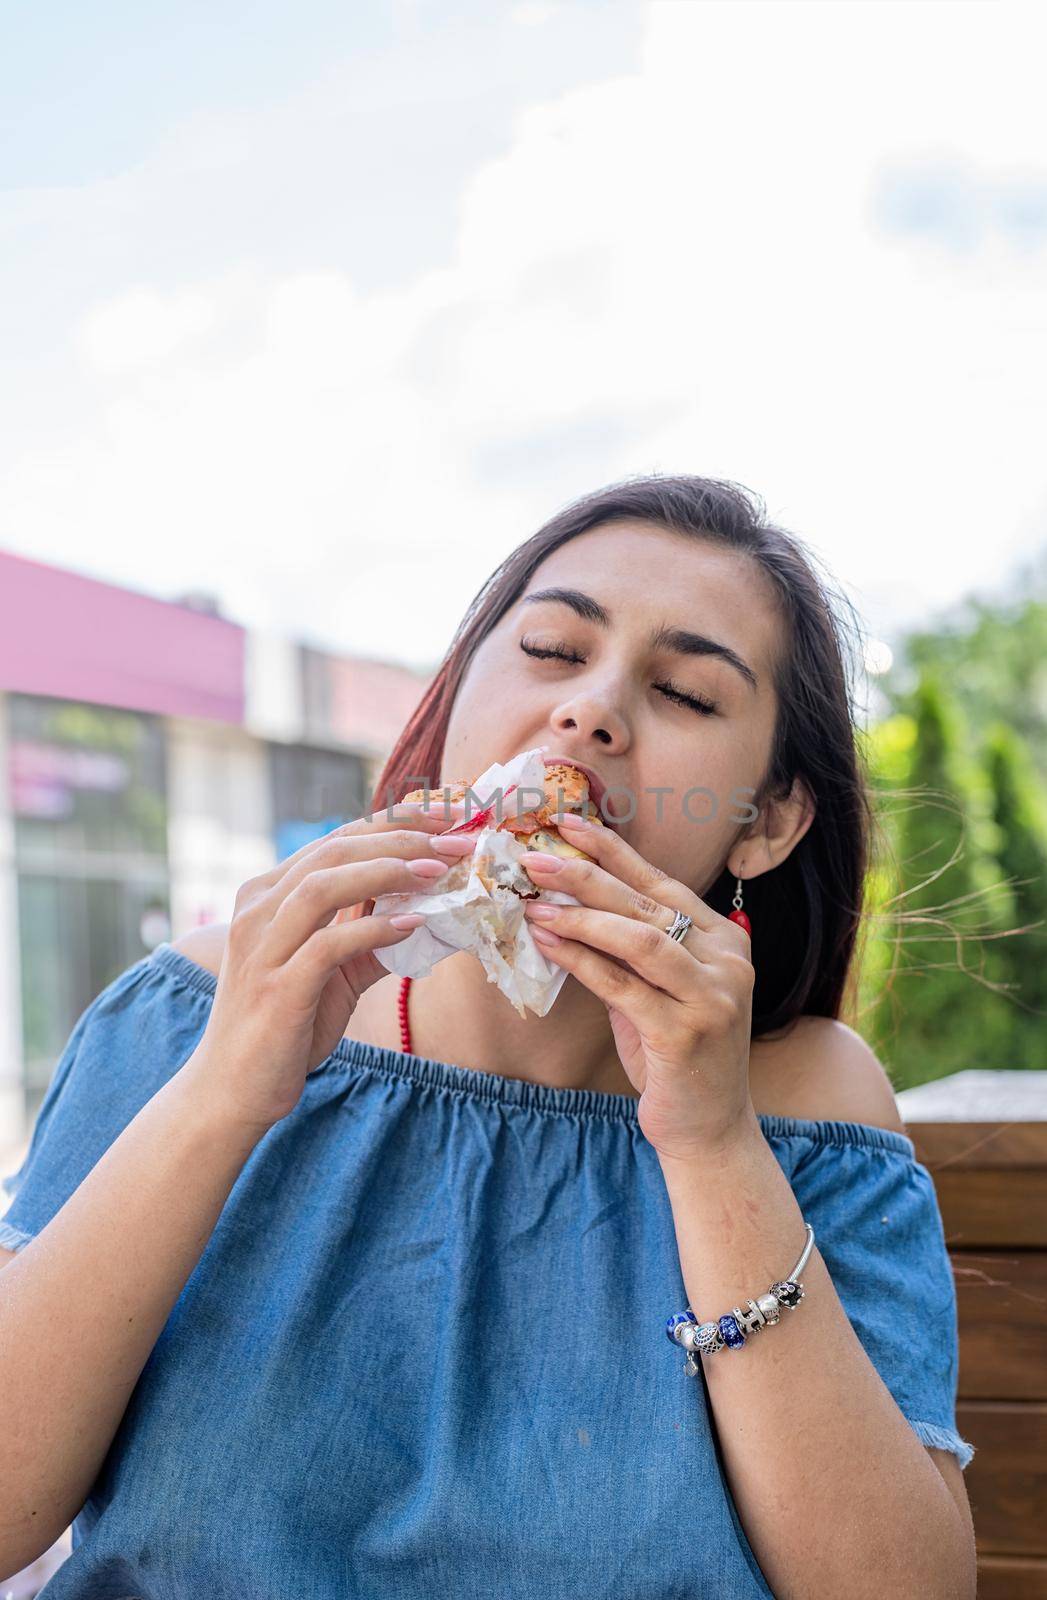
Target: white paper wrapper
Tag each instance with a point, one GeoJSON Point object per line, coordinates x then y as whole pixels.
{"type": "Point", "coordinates": [462, 914]}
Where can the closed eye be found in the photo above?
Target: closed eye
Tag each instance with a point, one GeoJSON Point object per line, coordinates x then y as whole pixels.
{"type": "Point", "coordinates": [697, 703]}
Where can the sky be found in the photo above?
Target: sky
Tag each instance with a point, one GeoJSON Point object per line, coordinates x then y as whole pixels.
{"type": "Point", "coordinates": [323, 309]}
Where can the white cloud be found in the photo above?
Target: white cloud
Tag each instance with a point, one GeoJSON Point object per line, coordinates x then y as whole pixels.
{"type": "Point", "coordinates": [681, 269]}
{"type": "Point", "coordinates": [532, 13]}
{"type": "Point", "coordinates": [143, 328]}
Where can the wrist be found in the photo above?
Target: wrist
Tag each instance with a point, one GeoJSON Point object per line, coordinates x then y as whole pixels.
{"type": "Point", "coordinates": [715, 1145]}
{"type": "Point", "coordinates": [206, 1100]}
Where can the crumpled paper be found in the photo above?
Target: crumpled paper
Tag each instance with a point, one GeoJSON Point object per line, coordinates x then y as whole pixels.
{"type": "Point", "coordinates": [462, 914]}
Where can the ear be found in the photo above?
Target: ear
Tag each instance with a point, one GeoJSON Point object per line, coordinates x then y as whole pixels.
{"type": "Point", "coordinates": [780, 824]}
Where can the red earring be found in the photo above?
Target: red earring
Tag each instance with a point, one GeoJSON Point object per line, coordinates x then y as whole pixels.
{"type": "Point", "coordinates": [738, 915]}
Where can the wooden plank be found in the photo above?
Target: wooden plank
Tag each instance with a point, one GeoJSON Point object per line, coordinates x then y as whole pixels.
{"type": "Point", "coordinates": [1001, 1297]}
{"type": "Point", "coordinates": [1006, 1578]}
{"type": "Point", "coordinates": [997, 1207]}
{"type": "Point", "coordinates": [1007, 1479]}
{"type": "Point", "coordinates": [991, 1182]}
{"type": "Point", "coordinates": [979, 1144]}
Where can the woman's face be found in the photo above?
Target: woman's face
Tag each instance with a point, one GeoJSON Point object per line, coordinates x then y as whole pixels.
{"type": "Point", "coordinates": [616, 704]}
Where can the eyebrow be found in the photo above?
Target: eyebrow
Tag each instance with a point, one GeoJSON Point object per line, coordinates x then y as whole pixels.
{"type": "Point", "coordinates": [679, 641]}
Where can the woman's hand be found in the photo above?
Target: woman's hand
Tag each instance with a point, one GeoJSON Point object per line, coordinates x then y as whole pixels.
{"type": "Point", "coordinates": [680, 1011]}
{"type": "Point", "coordinates": [293, 970]}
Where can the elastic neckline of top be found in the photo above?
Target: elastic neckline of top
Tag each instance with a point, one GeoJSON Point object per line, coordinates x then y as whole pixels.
{"type": "Point", "coordinates": [542, 1097]}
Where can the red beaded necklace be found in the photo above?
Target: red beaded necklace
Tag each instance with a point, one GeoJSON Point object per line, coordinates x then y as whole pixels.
{"type": "Point", "coordinates": [405, 1026]}
{"type": "Point", "coordinates": [737, 915]}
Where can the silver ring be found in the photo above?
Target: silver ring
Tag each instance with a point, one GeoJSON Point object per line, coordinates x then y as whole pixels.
{"type": "Point", "coordinates": [680, 924]}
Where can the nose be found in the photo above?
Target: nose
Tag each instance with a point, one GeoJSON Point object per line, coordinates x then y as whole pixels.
{"type": "Point", "coordinates": [592, 718]}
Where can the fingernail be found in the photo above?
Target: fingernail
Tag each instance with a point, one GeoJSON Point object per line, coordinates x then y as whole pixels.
{"type": "Point", "coordinates": [543, 862]}
{"type": "Point", "coordinates": [407, 919]}
{"type": "Point", "coordinates": [545, 936]}
{"type": "Point", "coordinates": [573, 820]}
{"type": "Point", "coordinates": [543, 913]}
{"type": "Point", "coordinates": [427, 869]}
{"type": "Point", "coordinates": [455, 844]}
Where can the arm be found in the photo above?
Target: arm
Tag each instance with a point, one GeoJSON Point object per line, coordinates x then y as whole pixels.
{"type": "Point", "coordinates": [83, 1304]}
{"type": "Point", "coordinates": [835, 1491]}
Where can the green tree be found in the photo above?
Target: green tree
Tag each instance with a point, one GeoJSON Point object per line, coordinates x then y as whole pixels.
{"type": "Point", "coordinates": [936, 900]}
{"type": "Point", "coordinates": [1020, 816]}
{"type": "Point", "coordinates": [993, 656]}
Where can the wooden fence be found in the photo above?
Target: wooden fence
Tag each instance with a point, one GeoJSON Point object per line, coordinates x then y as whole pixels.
{"type": "Point", "coordinates": [991, 1179]}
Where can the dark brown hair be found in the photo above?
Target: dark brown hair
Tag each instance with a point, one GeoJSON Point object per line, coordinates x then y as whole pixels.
{"type": "Point", "coordinates": [807, 911]}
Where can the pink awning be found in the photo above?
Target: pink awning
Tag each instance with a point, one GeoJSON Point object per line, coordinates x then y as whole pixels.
{"type": "Point", "coordinates": [79, 639]}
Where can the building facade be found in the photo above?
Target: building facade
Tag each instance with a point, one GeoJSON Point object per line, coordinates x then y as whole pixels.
{"type": "Point", "coordinates": [153, 756]}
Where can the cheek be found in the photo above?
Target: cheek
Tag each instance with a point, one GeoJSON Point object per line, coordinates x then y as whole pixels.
{"type": "Point", "coordinates": [683, 841]}
{"type": "Point", "coordinates": [472, 741]}
{"type": "Point", "coordinates": [456, 758]}
{"type": "Point", "coordinates": [489, 704]}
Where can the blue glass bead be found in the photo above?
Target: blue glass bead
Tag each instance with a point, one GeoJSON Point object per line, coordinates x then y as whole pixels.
{"type": "Point", "coordinates": [673, 1322]}
{"type": "Point", "coordinates": [732, 1334]}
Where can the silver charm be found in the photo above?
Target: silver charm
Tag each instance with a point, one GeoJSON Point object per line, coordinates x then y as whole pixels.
{"type": "Point", "coordinates": [707, 1338]}
{"type": "Point", "coordinates": [771, 1308]}
{"type": "Point", "coordinates": [744, 1321]}
{"type": "Point", "coordinates": [678, 1323]}
{"type": "Point", "coordinates": [750, 1321]}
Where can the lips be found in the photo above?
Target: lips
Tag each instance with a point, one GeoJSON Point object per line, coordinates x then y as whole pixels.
{"type": "Point", "coordinates": [597, 787]}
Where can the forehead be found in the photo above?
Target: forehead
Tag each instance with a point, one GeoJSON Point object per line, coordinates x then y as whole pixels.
{"type": "Point", "coordinates": [647, 576]}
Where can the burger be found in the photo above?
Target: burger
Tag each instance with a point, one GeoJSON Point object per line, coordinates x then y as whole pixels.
{"type": "Point", "coordinates": [567, 788]}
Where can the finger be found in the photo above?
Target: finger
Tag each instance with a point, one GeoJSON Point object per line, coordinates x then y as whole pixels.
{"type": "Point", "coordinates": [313, 903]}
{"type": "Point", "coordinates": [594, 886]}
{"type": "Point", "coordinates": [438, 811]}
{"type": "Point", "coordinates": [434, 818]}
{"type": "Point", "coordinates": [611, 851]}
{"type": "Point", "coordinates": [645, 1007]}
{"type": "Point", "coordinates": [340, 852]}
{"type": "Point", "coordinates": [657, 959]}
{"type": "Point", "coordinates": [339, 943]}
{"type": "Point", "coordinates": [442, 846]}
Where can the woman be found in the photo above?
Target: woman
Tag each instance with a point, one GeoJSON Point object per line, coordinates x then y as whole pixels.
{"type": "Point", "coordinates": [331, 1317]}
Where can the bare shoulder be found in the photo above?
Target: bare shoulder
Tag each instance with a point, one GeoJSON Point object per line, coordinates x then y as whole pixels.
{"type": "Point", "coordinates": [822, 1070]}
{"type": "Point", "coordinates": [205, 946]}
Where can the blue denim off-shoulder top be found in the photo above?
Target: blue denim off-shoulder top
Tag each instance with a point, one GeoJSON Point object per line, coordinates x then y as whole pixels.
{"type": "Point", "coordinates": [423, 1352]}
